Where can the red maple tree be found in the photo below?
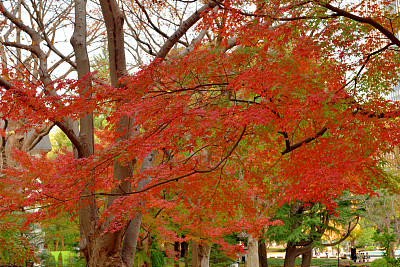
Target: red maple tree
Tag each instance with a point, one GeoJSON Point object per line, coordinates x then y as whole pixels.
{"type": "Point", "coordinates": [262, 111]}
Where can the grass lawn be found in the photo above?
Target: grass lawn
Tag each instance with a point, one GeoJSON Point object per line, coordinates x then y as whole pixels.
{"type": "Point", "coordinates": [314, 262]}
{"type": "Point", "coordinates": [68, 257]}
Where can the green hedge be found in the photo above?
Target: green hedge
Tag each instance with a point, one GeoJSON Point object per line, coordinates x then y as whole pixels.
{"type": "Point", "coordinates": [378, 263]}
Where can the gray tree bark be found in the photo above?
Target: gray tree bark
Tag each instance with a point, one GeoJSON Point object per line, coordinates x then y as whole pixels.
{"type": "Point", "coordinates": [200, 254]}
{"type": "Point", "coordinates": [88, 212]}
{"type": "Point", "coordinates": [252, 252]}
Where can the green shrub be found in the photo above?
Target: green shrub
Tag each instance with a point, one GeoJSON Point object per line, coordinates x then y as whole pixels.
{"type": "Point", "coordinates": [47, 259]}
{"type": "Point", "coordinates": [157, 258]}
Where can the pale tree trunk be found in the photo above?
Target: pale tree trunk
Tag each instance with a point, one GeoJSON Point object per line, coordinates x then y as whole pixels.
{"type": "Point", "coordinates": [117, 248]}
{"type": "Point", "coordinates": [88, 212]}
{"type": "Point", "coordinates": [132, 233]}
{"type": "Point", "coordinates": [62, 243]}
{"type": "Point", "coordinates": [3, 57]}
{"type": "Point", "coordinates": [252, 252]}
{"type": "Point", "coordinates": [101, 250]}
{"type": "Point", "coordinates": [130, 240]}
{"type": "Point", "coordinates": [145, 247]}
{"type": "Point", "coordinates": [194, 247]}
{"type": "Point", "coordinates": [392, 245]}
{"type": "Point", "coordinates": [105, 250]}
{"type": "Point", "coordinates": [200, 254]}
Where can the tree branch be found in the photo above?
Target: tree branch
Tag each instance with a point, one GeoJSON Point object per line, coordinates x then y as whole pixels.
{"type": "Point", "coordinates": [305, 141]}
{"type": "Point", "coordinates": [163, 34]}
{"type": "Point", "coordinates": [340, 12]}
{"type": "Point", "coordinates": [182, 176]}
{"type": "Point", "coordinates": [349, 230]}
{"type": "Point", "coordinates": [34, 139]}
{"type": "Point", "coordinates": [183, 28]}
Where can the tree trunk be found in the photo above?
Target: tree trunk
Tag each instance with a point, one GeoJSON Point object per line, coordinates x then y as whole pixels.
{"type": "Point", "coordinates": [105, 251]}
{"type": "Point", "coordinates": [252, 252]}
{"type": "Point", "coordinates": [290, 256]}
{"type": "Point", "coordinates": [146, 249]}
{"type": "Point", "coordinates": [177, 246]}
{"type": "Point", "coordinates": [100, 249]}
{"type": "Point", "coordinates": [62, 243]}
{"type": "Point", "coordinates": [130, 240]}
{"type": "Point", "coordinates": [200, 254]}
{"type": "Point", "coordinates": [262, 254]}
{"type": "Point", "coordinates": [306, 259]}
{"type": "Point", "coordinates": [184, 249]}
{"type": "Point", "coordinates": [88, 212]}
{"type": "Point", "coordinates": [195, 253]}
{"type": "Point", "coordinates": [391, 250]}
{"type": "Point", "coordinates": [184, 253]}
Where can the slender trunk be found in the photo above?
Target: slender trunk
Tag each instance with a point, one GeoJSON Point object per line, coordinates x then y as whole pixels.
{"type": "Point", "coordinates": [114, 21]}
{"type": "Point", "coordinates": [252, 252]}
{"type": "Point", "coordinates": [177, 246]}
{"type": "Point", "coordinates": [391, 244]}
{"type": "Point", "coordinates": [184, 249]}
{"type": "Point", "coordinates": [130, 240]}
{"type": "Point", "coordinates": [88, 212]}
{"type": "Point", "coordinates": [132, 233]}
{"type": "Point", "coordinates": [62, 243]}
{"type": "Point", "coordinates": [306, 259]}
{"type": "Point", "coordinates": [184, 253]}
{"type": "Point", "coordinates": [391, 250]}
{"type": "Point", "coordinates": [290, 256]}
{"type": "Point", "coordinates": [146, 250]}
{"type": "Point", "coordinates": [262, 254]}
{"type": "Point", "coordinates": [3, 57]}
{"type": "Point", "coordinates": [149, 263]}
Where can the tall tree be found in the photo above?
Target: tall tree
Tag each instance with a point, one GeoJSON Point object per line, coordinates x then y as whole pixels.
{"type": "Point", "coordinates": [305, 224]}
